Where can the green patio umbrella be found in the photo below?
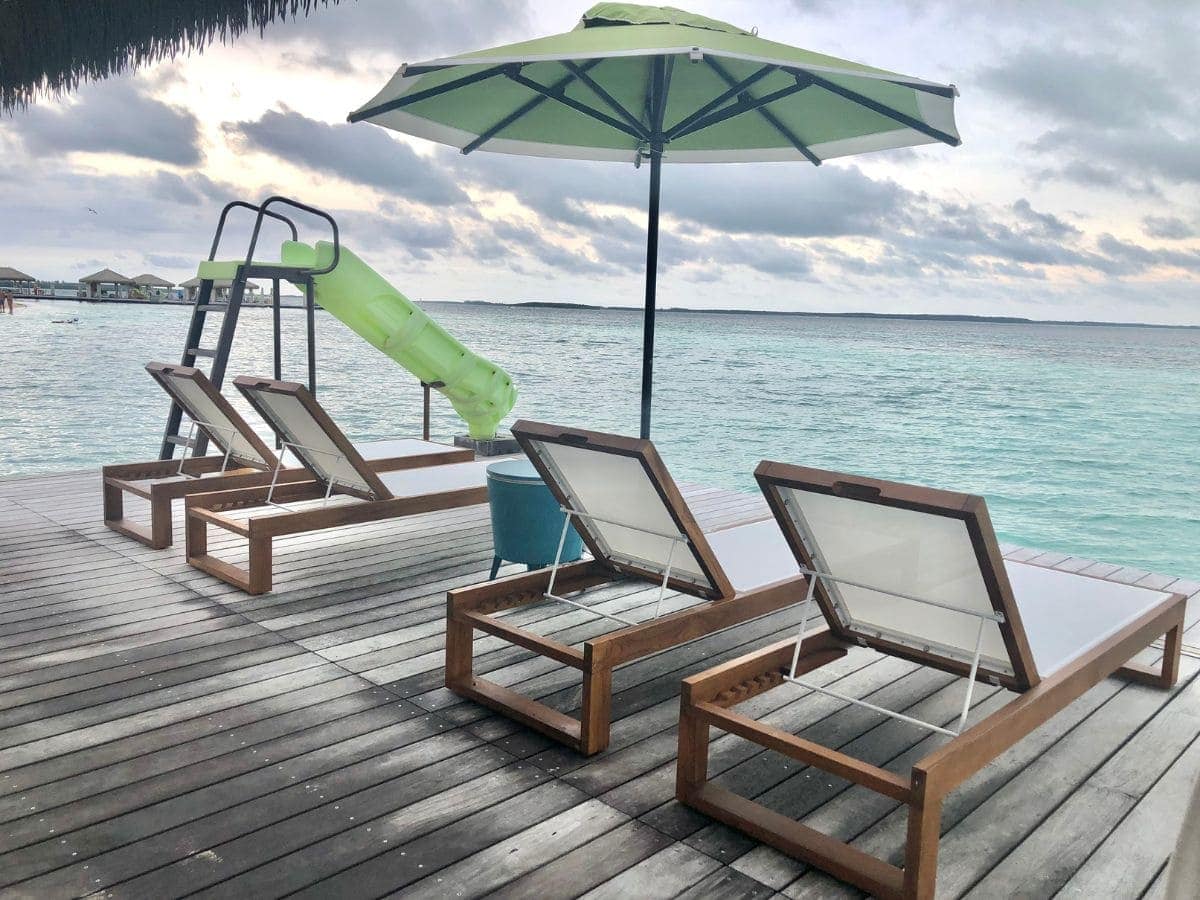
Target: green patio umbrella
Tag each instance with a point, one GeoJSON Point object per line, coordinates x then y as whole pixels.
{"type": "Point", "coordinates": [633, 83]}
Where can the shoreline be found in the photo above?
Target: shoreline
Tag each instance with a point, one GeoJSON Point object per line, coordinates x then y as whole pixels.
{"type": "Point", "coordinates": [964, 318]}
{"type": "Point", "coordinates": [949, 318]}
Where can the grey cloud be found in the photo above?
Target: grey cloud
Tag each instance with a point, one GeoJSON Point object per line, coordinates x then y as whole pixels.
{"type": "Point", "coordinates": [1098, 89]}
{"type": "Point", "coordinates": [113, 117]}
{"type": "Point", "coordinates": [412, 30]}
{"type": "Point", "coordinates": [781, 200]}
{"type": "Point", "coordinates": [1124, 257]}
{"type": "Point", "coordinates": [1046, 223]}
{"type": "Point", "coordinates": [1094, 175]}
{"type": "Point", "coordinates": [171, 260]}
{"type": "Point", "coordinates": [358, 153]}
{"type": "Point", "coordinates": [1169, 228]}
{"type": "Point", "coordinates": [1158, 152]}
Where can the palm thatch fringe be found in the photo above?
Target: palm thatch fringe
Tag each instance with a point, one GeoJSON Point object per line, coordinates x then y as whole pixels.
{"type": "Point", "coordinates": [48, 47]}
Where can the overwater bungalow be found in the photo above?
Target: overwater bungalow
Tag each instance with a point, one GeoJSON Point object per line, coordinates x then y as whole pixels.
{"type": "Point", "coordinates": [17, 281]}
{"type": "Point", "coordinates": [106, 285]}
{"type": "Point", "coordinates": [221, 288]}
{"type": "Point", "coordinates": [152, 287]}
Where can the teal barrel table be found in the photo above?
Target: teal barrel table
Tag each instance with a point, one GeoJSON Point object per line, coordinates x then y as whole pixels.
{"type": "Point", "coordinates": [526, 519]}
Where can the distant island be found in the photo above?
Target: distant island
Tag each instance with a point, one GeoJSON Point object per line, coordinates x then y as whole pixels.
{"type": "Point", "coordinates": [911, 317]}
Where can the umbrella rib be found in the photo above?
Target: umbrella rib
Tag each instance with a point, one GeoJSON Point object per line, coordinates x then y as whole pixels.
{"type": "Point", "coordinates": [580, 72]}
{"type": "Point", "coordinates": [523, 110]}
{"type": "Point", "coordinates": [574, 104]}
{"type": "Point", "coordinates": [769, 116]}
{"type": "Point", "coordinates": [407, 99]}
{"type": "Point", "coordinates": [742, 106]}
{"type": "Point", "coordinates": [708, 107]}
{"type": "Point", "coordinates": [881, 108]}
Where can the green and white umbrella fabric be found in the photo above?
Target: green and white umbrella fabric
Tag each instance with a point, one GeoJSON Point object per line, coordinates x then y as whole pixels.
{"type": "Point", "coordinates": [633, 83]}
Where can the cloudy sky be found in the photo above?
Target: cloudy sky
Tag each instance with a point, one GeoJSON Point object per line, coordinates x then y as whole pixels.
{"type": "Point", "coordinates": [1075, 194]}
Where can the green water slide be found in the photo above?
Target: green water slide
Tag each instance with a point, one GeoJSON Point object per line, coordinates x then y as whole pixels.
{"type": "Point", "coordinates": [480, 391]}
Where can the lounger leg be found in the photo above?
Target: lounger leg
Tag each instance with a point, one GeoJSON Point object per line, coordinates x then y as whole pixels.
{"type": "Point", "coordinates": [596, 715]}
{"type": "Point", "coordinates": [495, 568]}
{"type": "Point", "coordinates": [1172, 650]}
{"type": "Point", "coordinates": [114, 503]}
{"type": "Point", "coordinates": [258, 569]}
{"type": "Point", "coordinates": [924, 831]}
{"type": "Point", "coordinates": [1166, 674]}
{"type": "Point", "coordinates": [195, 537]}
{"type": "Point", "coordinates": [459, 651]}
{"type": "Point", "coordinates": [691, 770]}
{"type": "Point", "coordinates": [160, 523]}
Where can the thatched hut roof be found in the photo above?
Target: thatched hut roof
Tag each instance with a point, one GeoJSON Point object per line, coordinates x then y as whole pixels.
{"type": "Point", "coordinates": [105, 276]}
{"type": "Point", "coordinates": [251, 287]}
{"type": "Point", "coordinates": [8, 273]}
{"type": "Point", "coordinates": [148, 280]}
{"type": "Point", "coordinates": [50, 47]}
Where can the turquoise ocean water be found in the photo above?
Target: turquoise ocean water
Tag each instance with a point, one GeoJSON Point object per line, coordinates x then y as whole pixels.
{"type": "Point", "coordinates": [1083, 439]}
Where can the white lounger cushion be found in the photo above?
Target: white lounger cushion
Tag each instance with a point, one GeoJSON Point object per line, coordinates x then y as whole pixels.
{"type": "Point", "coordinates": [753, 555]}
{"type": "Point", "coordinates": [373, 451]}
{"type": "Point", "coordinates": [398, 448]}
{"type": "Point", "coordinates": [436, 479]}
{"type": "Point", "coordinates": [1065, 614]}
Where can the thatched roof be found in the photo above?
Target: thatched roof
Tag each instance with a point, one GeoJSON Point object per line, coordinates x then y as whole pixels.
{"type": "Point", "coordinates": [251, 287]}
{"type": "Point", "coordinates": [148, 280]}
{"type": "Point", "coordinates": [106, 276]}
{"type": "Point", "coordinates": [49, 47]}
{"type": "Point", "coordinates": [8, 273]}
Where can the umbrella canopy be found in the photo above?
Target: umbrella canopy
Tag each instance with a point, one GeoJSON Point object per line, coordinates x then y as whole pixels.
{"type": "Point", "coordinates": [638, 83]}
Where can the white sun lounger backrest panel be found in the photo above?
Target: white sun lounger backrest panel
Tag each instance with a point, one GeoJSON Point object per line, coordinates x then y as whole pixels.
{"type": "Point", "coordinates": [314, 439]}
{"type": "Point", "coordinates": [911, 553]}
{"type": "Point", "coordinates": [203, 404]}
{"type": "Point", "coordinates": [633, 518]}
{"type": "Point", "coordinates": [912, 571]}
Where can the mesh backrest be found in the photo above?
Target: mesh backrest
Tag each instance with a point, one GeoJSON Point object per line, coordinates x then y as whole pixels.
{"type": "Point", "coordinates": [922, 554]}
{"type": "Point", "coordinates": [316, 442]}
{"type": "Point", "coordinates": [621, 488]}
{"type": "Point", "coordinates": [204, 405]}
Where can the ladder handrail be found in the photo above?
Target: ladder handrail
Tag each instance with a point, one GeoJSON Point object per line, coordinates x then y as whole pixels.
{"type": "Point", "coordinates": [312, 210]}
{"type": "Point", "coordinates": [212, 253]}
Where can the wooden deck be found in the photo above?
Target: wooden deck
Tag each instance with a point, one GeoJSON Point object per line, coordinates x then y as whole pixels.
{"type": "Point", "coordinates": [162, 735]}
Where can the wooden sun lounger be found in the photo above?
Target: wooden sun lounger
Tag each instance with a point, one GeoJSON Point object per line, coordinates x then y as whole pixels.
{"type": "Point", "coordinates": [916, 573]}
{"type": "Point", "coordinates": [432, 477]}
{"type": "Point", "coordinates": [637, 525]}
{"type": "Point", "coordinates": [243, 461]}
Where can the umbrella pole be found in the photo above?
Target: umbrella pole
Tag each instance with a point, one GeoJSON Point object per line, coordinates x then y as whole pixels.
{"type": "Point", "coordinates": [651, 288]}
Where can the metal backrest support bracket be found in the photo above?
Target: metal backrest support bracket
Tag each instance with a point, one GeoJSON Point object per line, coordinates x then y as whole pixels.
{"type": "Point", "coordinates": [191, 444]}
{"type": "Point", "coordinates": [568, 515]}
{"type": "Point", "coordinates": [329, 482]}
{"type": "Point", "coordinates": [814, 577]}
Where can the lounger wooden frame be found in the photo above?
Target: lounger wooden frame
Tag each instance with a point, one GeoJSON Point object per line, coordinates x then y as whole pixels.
{"type": "Point", "coordinates": [473, 608]}
{"type": "Point", "coordinates": [203, 510]}
{"type": "Point", "coordinates": [707, 698]}
{"type": "Point", "coordinates": [131, 478]}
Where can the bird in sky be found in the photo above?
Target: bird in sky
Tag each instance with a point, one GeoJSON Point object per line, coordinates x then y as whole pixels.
{"type": "Point", "coordinates": [92, 211]}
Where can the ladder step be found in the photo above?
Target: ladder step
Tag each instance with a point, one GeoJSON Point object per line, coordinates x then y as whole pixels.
{"type": "Point", "coordinates": [196, 352]}
{"type": "Point", "coordinates": [180, 441]}
{"type": "Point", "coordinates": [211, 307]}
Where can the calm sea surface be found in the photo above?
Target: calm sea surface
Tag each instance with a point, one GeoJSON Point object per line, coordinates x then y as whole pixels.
{"type": "Point", "coordinates": [1083, 439]}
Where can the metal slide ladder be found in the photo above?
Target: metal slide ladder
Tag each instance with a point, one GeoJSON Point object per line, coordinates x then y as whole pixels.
{"type": "Point", "coordinates": [193, 349]}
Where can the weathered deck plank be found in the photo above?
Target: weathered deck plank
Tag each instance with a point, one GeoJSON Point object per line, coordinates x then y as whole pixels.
{"type": "Point", "coordinates": [162, 734]}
